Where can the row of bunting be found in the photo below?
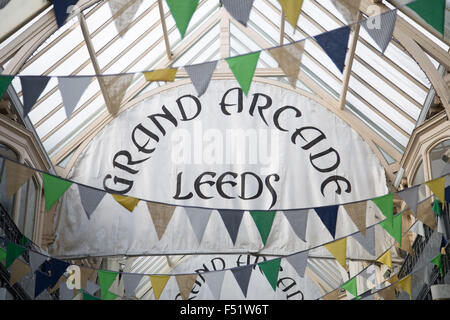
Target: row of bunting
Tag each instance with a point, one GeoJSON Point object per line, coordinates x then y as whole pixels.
{"type": "Point", "coordinates": [51, 274]}
{"type": "Point", "coordinates": [334, 43]}
{"type": "Point", "coordinates": [54, 187]}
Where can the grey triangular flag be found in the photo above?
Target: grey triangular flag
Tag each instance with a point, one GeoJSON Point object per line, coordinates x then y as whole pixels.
{"type": "Point", "coordinates": [242, 276]}
{"type": "Point", "coordinates": [298, 261]}
{"type": "Point", "coordinates": [418, 228]}
{"type": "Point", "coordinates": [199, 219]}
{"type": "Point", "coordinates": [214, 280]}
{"type": "Point", "coordinates": [239, 10]}
{"type": "Point", "coordinates": [232, 220]}
{"type": "Point", "coordinates": [64, 292]}
{"type": "Point", "coordinates": [91, 287]}
{"type": "Point", "coordinates": [36, 260]}
{"type": "Point", "coordinates": [298, 220]}
{"type": "Point", "coordinates": [367, 241]}
{"type": "Point", "coordinates": [72, 88]}
{"type": "Point", "coordinates": [32, 88]}
{"type": "Point", "coordinates": [130, 283]}
{"type": "Point", "coordinates": [123, 13]}
{"type": "Point", "coordinates": [200, 75]}
{"type": "Point", "coordinates": [411, 197]}
{"type": "Point", "coordinates": [2, 294]}
{"type": "Point", "coordinates": [380, 27]}
{"type": "Point", "coordinates": [90, 198]}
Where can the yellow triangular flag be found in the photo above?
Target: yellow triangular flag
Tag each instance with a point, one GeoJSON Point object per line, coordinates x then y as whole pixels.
{"type": "Point", "coordinates": [405, 284]}
{"type": "Point", "coordinates": [158, 284]}
{"type": "Point", "coordinates": [185, 284]}
{"type": "Point", "coordinates": [128, 203]}
{"type": "Point", "coordinates": [292, 9]}
{"type": "Point", "coordinates": [437, 186]}
{"type": "Point", "coordinates": [18, 270]}
{"type": "Point", "coordinates": [386, 259]}
{"type": "Point", "coordinates": [338, 249]}
{"type": "Point", "coordinates": [16, 176]}
{"type": "Point", "coordinates": [161, 75]}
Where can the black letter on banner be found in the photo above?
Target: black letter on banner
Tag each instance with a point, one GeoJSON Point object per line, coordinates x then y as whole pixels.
{"type": "Point", "coordinates": [220, 182]}
{"type": "Point", "coordinates": [177, 195]}
{"type": "Point", "coordinates": [260, 186]}
{"type": "Point", "coordinates": [130, 162]}
{"type": "Point", "coordinates": [298, 132]}
{"type": "Point", "coordinates": [319, 155]}
{"type": "Point", "coordinates": [271, 189]}
{"type": "Point", "coordinates": [197, 184]}
{"type": "Point", "coordinates": [183, 113]}
{"type": "Point", "coordinates": [150, 134]}
{"type": "Point", "coordinates": [335, 179]}
{"type": "Point", "coordinates": [240, 101]}
{"type": "Point", "coordinates": [260, 108]}
{"type": "Point", "coordinates": [129, 183]}
{"type": "Point", "coordinates": [166, 115]}
{"type": "Point", "coordinates": [277, 114]}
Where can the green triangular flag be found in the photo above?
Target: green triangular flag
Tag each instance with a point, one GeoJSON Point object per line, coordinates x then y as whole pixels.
{"type": "Point", "coordinates": [4, 84]}
{"type": "Point", "coordinates": [54, 188]}
{"type": "Point", "coordinates": [271, 269]}
{"type": "Point", "coordinates": [110, 296]}
{"type": "Point", "coordinates": [182, 11]}
{"type": "Point", "coordinates": [394, 227]}
{"type": "Point", "coordinates": [24, 241]}
{"type": "Point", "coordinates": [437, 207]}
{"type": "Point", "coordinates": [263, 221]}
{"type": "Point", "coordinates": [385, 204]}
{"type": "Point", "coordinates": [106, 279]}
{"type": "Point", "coordinates": [13, 251]}
{"type": "Point", "coordinates": [243, 68]}
{"type": "Point", "coordinates": [438, 262]}
{"type": "Point", "coordinates": [350, 286]}
{"type": "Point", "coordinates": [87, 296]}
{"type": "Point", "coordinates": [2, 254]}
{"type": "Point", "coordinates": [432, 11]}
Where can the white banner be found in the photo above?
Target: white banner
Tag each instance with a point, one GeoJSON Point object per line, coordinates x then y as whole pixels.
{"type": "Point", "coordinates": [273, 149]}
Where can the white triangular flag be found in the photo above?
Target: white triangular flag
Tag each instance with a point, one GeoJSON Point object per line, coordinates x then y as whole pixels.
{"type": "Point", "coordinates": [71, 89]}
{"type": "Point", "coordinates": [123, 13]}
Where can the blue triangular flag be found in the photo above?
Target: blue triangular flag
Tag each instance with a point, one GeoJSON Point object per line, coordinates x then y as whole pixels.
{"type": "Point", "coordinates": [55, 268]}
{"type": "Point", "coordinates": [328, 215]}
{"type": "Point", "coordinates": [232, 220]}
{"type": "Point", "coordinates": [41, 282]}
{"type": "Point", "coordinates": [447, 194]}
{"type": "Point", "coordinates": [32, 88]}
{"type": "Point", "coordinates": [335, 44]}
{"type": "Point", "coordinates": [61, 9]}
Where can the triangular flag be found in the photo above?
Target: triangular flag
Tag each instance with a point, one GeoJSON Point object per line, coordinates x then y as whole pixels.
{"type": "Point", "coordinates": [243, 68]}
{"type": "Point", "coordinates": [158, 284]}
{"type": "Point", "coordinates": [328, 215]}
{"type": "Point", "coordinates": [357, 212]}
{"type": "Point", "coordinates": [92, 287]}
{"type": "Point", "coordinates": [367, 240]}
{"type": "Point", "coordinates": [90, 198]}
{"type": "Point", "coordinates": [54, 188]}
{"type": "Point", "coordinates": [61, 10]}
{"type": "Point", "coordinates": [271, 268]}
{"type": "Point", "coordinates": [394, 227]}
{"type": "Point", "coordinates": [5, 81]}
{"type": "Point", "coordinates": [55, 268]}
{"type": "Point", "coordinates": [123, 17]}
{"type": "Point", "coordinates": [338, 249]}
{"type": "Point", "coordinates": [41, 282]}
{"type": "Point", "coordinates": [386, 205]}
{"type": "Point", "coordinates": [298, 220]}
{"type": "Point", "coordinates": [182, 12]}
{"type": "Point", "coordinates": [411, 197]}
{"type": "Point", "coordinates": [2, 254]}
{"type": "Point", "coordinates": [348, 8]}
{"type": "Point", "coordinates": [13, 251]}
{"type": "Point", "coordinates": [87, 296]}
{"type": "Point", "coordinates": [381, 32]}
{"type": "Point", "coordinates": [199, 219]}
{"type": "Point", "coordinates": [386, 259]}
{"type": "Point", "coordinates": [128, 203]}
{"type": "Point", "coordinates": [106, 279]}
{"type": "Point", "coordinates": [239, 10]}
{"type": "Point", "coordinates": [232, 220]}
{"type": "Point", "coordinates": [16, 176]}
{"type": "Point", "coordinates": [289, 59]}
{"type": "Point", "coordinates": [351, 287]}
{"type": "Point", "coordinates": [432, 11]}
{"type": "Point", "coordinates": [200, 75]}
{"type": "Point", "coordinates": [242, 276]}
{"type": "Point", "coordinates": [214, 280]}
{"type": "Point", "coordinates": [405, 284]}
{"type": "Point", "coordinates": [388, 293]}
{"type": "Point", "coordinates": [333, 295]}
{"type": "Point", "coordinates": [447, 194]}
{"type": "Point", "coordinates": [65, 293]}
{"type": "Point", "coordinates": [437, 186]}
{"type": "Point", "coordinates": [115, 88]}
{"type": "Point", "coordinates": [130, 283]}
{"type": "Point", "coordinates": [161, 75]}
{"type": "Point", "coordinates": [425, 213]}
{"type": "Point", "coordinates": [299, 261]}
{"type": "Point", "coordinates": [32, 88]}
{"type": "Point", "coordinates": [18, 270]}
{"type": "Point", "coordinates": [263, 221]}
{"type": "Point", "coordinates": [292, 9]}
{"type": "Point", "coordinates": [335, 44]}
{"type": "Point", "coordinates": [185, 284]}
{"type": "Point", "coordinates": [72, 88]}
{"type": "Point", "coordinates": [437, 207]}
{"type": "Point", "coordinates": [438, 262]}
{"type": "Point", "coordinates": [161, 215]}
{"type": "Point", "coordinates": [36, 260]}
